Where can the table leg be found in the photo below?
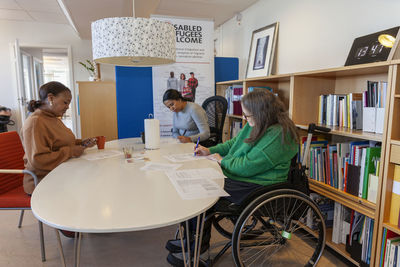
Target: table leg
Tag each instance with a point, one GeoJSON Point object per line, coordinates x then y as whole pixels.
{"type": "Point", "coordinates": [60, 249]}
{"type": "Point", "coordinates": [198, 240]}
{"type": "Point", "coordinates": [182, 245]}
{"type": "Point", "coordinates": [77, 248]}
{"type": "Point", "coordinates": [189, 259]}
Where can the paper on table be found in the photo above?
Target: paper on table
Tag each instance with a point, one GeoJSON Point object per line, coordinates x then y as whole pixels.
{"type": "Point", "coordinates": [154, 166]}
{"type": "Point", "coordinates": [183, 157]}
{"type": "Point", "coordinates": [195, 188]}
{"type": "Point", "coordinates": [209, 173]}
{"type": "Point", "coordinates": [169, 140]}
{"type": "Point", "coordinates": [104, 154]}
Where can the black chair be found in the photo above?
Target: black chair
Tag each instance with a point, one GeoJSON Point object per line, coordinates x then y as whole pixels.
{"type": "Point", "coordinates": [215, 107]}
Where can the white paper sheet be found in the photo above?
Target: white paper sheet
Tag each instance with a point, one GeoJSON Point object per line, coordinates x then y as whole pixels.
{"type": "Point", "coordinates": [154, 166]}
{"type": "Point", "coordinates": [189, 174]}
{"type": "Point", "coordinates": [104, 154]}
{"type": "Point", "coordinates": [190, 187]}
{"type": "Point", "coordinates": [183, 157]}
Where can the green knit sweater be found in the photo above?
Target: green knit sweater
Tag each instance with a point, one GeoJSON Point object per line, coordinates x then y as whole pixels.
{"type": "Point", "coordinates": [265, 162]}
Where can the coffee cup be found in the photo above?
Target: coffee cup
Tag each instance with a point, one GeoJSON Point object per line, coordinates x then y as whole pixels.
{"type": "Point", "coordinates": [101, 141]}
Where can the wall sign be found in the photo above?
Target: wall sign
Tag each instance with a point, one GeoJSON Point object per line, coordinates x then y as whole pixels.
{"type": "Point", "coordinates": [371, 48]}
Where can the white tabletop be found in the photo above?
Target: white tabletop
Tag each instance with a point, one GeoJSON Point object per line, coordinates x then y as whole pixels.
{"type": "Point", "coordinates": [109, 195]}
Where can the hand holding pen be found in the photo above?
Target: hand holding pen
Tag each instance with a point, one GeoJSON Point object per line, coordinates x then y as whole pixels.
{"type": "Point", "coordinates": [197, 145]}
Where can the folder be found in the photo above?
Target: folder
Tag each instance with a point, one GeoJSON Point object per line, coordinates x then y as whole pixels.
{"type": "Point", "coordinates": [395, 203]}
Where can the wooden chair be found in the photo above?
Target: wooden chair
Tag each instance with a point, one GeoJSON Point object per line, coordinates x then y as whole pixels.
{"type": "Point", "coordinates": [12, 194]}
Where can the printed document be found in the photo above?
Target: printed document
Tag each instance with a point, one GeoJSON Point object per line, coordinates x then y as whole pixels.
{"type": "Point", "coordinates": [190, 186]}
{"type": "Point", "coordinates": [154, 166]}
{"type": "Point", "coordinates": [183, 157]}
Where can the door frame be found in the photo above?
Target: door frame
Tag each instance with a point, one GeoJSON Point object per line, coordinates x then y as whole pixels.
{"type": "Point", "coordinates": [73, 106]}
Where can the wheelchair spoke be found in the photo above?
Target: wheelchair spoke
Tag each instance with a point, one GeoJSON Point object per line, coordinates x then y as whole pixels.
{"type": "Point", "coordinates": [274, 232]}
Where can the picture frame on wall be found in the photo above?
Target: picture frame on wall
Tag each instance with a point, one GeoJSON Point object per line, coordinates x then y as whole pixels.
{"type": "Point", "coordinates": [262, 50]}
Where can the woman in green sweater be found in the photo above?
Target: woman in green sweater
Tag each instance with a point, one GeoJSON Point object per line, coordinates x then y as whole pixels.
{"type": "Point", "coordinates": [258, 156]}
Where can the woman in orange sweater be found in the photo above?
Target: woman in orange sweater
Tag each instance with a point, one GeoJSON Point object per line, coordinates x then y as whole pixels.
{"type": "Point", "coordinates": [47, 141]}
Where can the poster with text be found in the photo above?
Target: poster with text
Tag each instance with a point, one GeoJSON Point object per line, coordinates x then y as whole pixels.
{"type": "Point", "coordinates": [194, 54]}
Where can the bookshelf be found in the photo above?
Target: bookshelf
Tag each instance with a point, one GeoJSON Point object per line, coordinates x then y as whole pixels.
{"type": "Point", "coordinates": [306, 89]}
{"type": "Point", "coordinates": [220, 89]}
{"type": "Point", "coordinates": [392, 158]}
{"type": "Point", "coordinates": [300, 93]}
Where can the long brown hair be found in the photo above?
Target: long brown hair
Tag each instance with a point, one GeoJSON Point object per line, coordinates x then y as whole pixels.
{"type": "Point", "coordinates": [267, 110]}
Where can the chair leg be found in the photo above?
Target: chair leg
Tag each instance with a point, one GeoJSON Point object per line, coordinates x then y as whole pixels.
{"type": "Point", "coordinates": [21, 217]}
{"type": "Point", "coordinates": [42, 249]}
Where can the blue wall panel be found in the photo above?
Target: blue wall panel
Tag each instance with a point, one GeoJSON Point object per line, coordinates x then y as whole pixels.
{"type": "Point", "coordinates": [134, 99]}
{"type": "Point", "coordinates": [226, 69]}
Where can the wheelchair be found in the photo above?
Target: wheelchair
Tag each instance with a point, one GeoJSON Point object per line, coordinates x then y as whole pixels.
{"type": "Point", "coordinates": [276, 225]}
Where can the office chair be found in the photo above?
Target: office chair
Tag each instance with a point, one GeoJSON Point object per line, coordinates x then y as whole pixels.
{"type": "Point", "coordinates": [215, 107]}
{"type": "Point", "coordinates": [12, 194]}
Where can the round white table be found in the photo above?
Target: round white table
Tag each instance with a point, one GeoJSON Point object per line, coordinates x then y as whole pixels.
{"type": "Point", "coordinates": [110, 195]}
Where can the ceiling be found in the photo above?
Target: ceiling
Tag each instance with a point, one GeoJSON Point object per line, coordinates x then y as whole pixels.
{"type": "Point", "coordinates": [82, 12]}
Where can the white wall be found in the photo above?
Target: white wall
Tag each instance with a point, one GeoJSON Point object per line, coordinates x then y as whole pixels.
{"type": "Point", "coordinates": [34, 33]}
{"type": "Point", "coordinates": [313, 34]}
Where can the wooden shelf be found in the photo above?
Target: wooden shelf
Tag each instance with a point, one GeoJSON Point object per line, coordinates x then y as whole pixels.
{"type": "Point", "coordinates": [391, 227]}
{"type": "Point", "coordinates": [358, 204]}
{"type": "Point", "coordinates": [339, 248]}
{"type": "Point", "coordinates": [362, 69]}
{"type": "Point", "coordinates": [395, 142]}
{"type": "Point", "coordinates": [397, 96]}
{"type": "Point", "coordinates": [272, 78]}
{"type": "Point", "coordinates": [348, 132]}
{"type": "Point", "coordinates": [230, 82]}
{"type": "Point", "coordinates": [235, 116]}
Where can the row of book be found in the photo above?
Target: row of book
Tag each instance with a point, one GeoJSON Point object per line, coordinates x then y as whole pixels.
{"type": "Point", "coordinates": [359, 111]}
{"type": "Point", "coordinates": [236, 126]}
{"type": "Point", "coordinates": [349, 227]}
{"type": "Point", "coordinates": [355, 230]}
{"type": "Point", "coordinates": [352, 167]}
{"type": "Point", "coordinates": [233, 95]}
{"type": "Point", "coordinates": [390, 249]}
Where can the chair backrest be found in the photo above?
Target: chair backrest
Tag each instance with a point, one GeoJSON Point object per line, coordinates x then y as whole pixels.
{"type": "Point", "coordinates": [216, 107]}
{"type": "Point", "coordinates": [11, 157]}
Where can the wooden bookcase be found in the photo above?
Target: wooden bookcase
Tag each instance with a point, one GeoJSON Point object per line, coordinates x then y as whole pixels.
{"type": "Point", "coordinates": [392, 157]}
{"type": "Point", "coordinates": [98, 109]}
{"type": "Point", "coordinates": [300, 92]}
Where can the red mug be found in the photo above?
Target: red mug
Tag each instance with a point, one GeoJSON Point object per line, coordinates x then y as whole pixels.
{"type": "Point", "coordinates": [101, 141]}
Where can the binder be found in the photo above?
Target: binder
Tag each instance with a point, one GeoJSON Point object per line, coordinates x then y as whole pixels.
{"type": "Point", "coordinates": [395, 203]}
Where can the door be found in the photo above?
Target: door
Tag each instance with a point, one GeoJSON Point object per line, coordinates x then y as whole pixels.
{"type": "Point", "coordinates": [22, 97]}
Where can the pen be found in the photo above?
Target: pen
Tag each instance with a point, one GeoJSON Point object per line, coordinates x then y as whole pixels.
{"type": "Point", "coordinates": [197, 144]}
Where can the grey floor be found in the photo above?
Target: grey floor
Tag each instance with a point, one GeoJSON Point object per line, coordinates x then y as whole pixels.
{"type": "Point", "coordinates": [20, 247]}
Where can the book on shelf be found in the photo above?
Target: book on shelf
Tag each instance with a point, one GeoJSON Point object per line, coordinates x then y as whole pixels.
{"type": "Point", "coordinates": [252, 88]}
{"type": "Point", "coordinates": [395, 201]}
{"type": "Point", "coordinates": [345, 166]}
{"type": "Point", "coordinates": [326, 206]}
{"type": "Point", "coordinates": [235, 128]}
{"type": "Point", "coordinates": [357, 111]}
{"type": "Point", "coordinates": [233, 95]}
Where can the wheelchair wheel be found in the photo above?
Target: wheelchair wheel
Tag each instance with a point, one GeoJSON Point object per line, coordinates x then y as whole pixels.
{"type": "Point", "coordinates": [290, 230]}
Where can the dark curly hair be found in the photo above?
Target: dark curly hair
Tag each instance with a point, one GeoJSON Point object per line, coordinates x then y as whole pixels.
{"type": "Point", "coordinates": [54, 88]}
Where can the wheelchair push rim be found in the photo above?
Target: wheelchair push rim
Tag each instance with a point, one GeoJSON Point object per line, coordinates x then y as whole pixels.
{"type": "Point", "coordinates": [293, 231]}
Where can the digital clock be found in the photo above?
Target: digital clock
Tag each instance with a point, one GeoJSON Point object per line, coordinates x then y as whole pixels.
{"type": "Point", "coordinates": [368, 48]}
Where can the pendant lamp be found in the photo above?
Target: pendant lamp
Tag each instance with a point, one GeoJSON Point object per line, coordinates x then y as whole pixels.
{"type": "Point", "coordinates": [130, 41]}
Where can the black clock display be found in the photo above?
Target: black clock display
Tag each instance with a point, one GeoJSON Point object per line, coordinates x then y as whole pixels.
{"type": "Point", "coordinates": [367, 49]}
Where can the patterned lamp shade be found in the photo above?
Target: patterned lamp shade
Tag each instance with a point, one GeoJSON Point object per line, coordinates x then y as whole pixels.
{"type": "Point", "coordinates": [132, 41]}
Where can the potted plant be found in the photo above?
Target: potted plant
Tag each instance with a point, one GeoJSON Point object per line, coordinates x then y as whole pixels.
{"type": "Point", "coordinates": [89, 66]}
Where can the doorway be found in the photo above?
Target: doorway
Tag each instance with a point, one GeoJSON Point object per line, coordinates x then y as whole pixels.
{"type": "Point", "coordinates": [36, 65]}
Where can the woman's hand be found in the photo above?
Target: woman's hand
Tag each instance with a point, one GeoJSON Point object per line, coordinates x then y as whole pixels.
{"type": "Point", "coordinates": [89, 142]}
{"type": "Point", "coordinates": [201, 151]}
{"type": "Point", "coordinates": [216, 157]}
{"type": "Point", "coordinates": [77, 151]}
{"type": "Point", "coordinates": [184, 139]}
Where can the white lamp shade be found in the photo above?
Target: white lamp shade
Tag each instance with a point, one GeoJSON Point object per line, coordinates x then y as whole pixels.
{"type": "Point", "coordinates": [129, 41]}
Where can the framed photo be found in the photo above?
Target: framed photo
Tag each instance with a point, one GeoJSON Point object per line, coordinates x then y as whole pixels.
{"type": "Point", "coordinates": [262, 50]}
